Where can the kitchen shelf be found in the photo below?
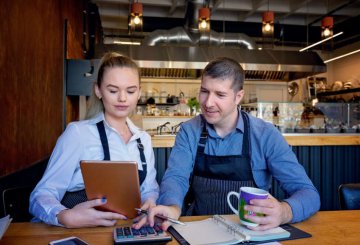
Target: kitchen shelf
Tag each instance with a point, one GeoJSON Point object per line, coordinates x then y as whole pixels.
{"type": "Point", "coordinates": [158, 104]}
{"type": "Point", "coordinates": [168, 116]}
{"type": "Point", "coordinates": [343, 91]}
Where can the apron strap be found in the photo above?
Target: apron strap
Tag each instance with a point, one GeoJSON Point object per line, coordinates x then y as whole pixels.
{"type": "Point", "coordinates": [203, 137]}
{"type": "Point", "coordinates": [143, 173]}
{"type": "Point", "coordinates": [246, 143]}
{"type": "Point", "coordinates": [103, 138]}
{"type": "Point", "coordinates": [141, 150]}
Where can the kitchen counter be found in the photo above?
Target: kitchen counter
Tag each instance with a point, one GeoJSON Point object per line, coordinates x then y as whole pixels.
{"type": "Point", "coordinates": [293, 140]}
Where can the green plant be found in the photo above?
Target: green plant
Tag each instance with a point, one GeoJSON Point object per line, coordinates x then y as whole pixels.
{"type": "Point", "coordinates": [193, 102]}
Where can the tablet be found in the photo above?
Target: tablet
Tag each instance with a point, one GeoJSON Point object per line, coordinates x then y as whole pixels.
{"type": "Point", "coordinates": [118, 181]}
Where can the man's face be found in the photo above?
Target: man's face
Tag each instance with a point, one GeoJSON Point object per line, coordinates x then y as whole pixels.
{"type": "Point", "coordinates": [219, 101]}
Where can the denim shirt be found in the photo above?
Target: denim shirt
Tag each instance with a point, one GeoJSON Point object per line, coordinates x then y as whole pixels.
{"type": "Point", "coordinates": [271, 156]}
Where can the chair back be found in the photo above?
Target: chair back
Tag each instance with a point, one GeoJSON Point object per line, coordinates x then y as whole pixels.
{"type": "Point", "coordinates": [349, 196]}
{"type": "Point", "coordinates": [16, 203]}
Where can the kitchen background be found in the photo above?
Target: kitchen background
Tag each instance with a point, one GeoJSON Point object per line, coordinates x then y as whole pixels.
{"type": "Point", "coordinates": [38, 37]}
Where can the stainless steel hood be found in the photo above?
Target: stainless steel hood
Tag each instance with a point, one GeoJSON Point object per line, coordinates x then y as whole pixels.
{"type": "Point", "coordinates": [182, 52]}
{"type": "Point", "coordinates": [187, 62]}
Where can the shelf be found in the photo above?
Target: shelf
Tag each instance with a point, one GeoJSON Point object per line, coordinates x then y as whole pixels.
{"type": "Point", "coordinates": [168, 116]}
{"type": "Point", "coordinates": [158, 104]}
{"type": "Point", "coordinates": [344, 91]}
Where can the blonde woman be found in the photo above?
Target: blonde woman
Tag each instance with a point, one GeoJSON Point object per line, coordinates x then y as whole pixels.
{"type": "Point", "coordinates": [106, 134]}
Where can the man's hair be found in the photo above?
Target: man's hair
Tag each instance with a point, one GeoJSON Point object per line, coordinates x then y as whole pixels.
{"type": "Point", "coordinates": [226, 68]}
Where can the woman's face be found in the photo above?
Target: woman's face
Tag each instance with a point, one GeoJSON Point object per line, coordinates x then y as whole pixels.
{"type": "Point", "coordinates": [119, 91]}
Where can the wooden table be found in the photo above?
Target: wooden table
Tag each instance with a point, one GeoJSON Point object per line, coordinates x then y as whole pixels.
{"type": "Point", "coordinates": [326, 227]}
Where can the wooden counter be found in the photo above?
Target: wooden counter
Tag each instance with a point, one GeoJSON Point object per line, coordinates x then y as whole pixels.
{"type": "Point", "coordinates": [322, 139]}
{"type": "Point", "coordinates": [292, 139]}
{"type": "Point", "coordinates": [332, 227]}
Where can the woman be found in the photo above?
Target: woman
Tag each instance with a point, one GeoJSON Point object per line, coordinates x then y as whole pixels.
{"type": "Point", "coordinates": [59, 198]}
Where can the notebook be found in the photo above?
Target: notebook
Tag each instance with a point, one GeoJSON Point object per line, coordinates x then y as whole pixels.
{"type": "Point", "coordinates": [224, 230]}
{"type": "Point", "coordinates": [118, 181]}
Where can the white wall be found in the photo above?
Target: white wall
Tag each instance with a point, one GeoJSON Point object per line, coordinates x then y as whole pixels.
{"type": "Point", "coordinates": [345, 68]}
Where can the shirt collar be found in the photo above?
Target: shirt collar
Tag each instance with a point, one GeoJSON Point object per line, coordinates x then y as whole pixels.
{"type": "Point", "coordinates": [239, 125]}
{"type": "Point", "coordinates": [101, 117]}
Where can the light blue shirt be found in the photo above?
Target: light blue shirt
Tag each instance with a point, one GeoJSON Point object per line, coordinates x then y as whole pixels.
{"type": "Point", "coordinates": [271, 156]}
{"type": "Point", "coordinates": [81, 141]}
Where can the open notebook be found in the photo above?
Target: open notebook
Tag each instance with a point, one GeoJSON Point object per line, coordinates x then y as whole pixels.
{"type": "Point", "coordinates": [224, 230]}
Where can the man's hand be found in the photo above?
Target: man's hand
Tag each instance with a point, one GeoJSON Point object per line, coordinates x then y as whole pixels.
{"type": "Point", "coordinates": [85, 215]}
{"type": "Point", "coordinates": [276, 213]}
{"type": "Point", "coordinates": [142, 219]}
{"type": "Point", "coordinates": [168, 211]}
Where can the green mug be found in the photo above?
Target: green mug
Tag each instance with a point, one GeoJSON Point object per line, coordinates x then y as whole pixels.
{"type": "Point", "coordinates": [245, 195]}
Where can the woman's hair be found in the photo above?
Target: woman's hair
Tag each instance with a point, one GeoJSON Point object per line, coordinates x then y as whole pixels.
{"type": "Point", "coordinates": [226, 68]}
{"type": "Point", "coordinates": [109, 60]}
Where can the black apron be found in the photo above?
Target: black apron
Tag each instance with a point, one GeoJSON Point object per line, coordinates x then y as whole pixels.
{"type": "Point", "coordinates": [71, 199]}
{"type": "Point", "coordinates": [214, 176]}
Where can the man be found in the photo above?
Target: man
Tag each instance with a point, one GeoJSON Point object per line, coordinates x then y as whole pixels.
{"type": "Point", "coordinates": [223, 149]}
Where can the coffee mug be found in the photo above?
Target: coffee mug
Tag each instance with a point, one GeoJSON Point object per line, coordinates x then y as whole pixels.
{"type": "Point", "coordinates": [245, 195]}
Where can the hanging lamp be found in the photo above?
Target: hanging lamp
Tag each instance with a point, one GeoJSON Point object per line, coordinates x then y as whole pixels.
{"type": "Point", "coordinates": [327, 24]}
{"type": "Point", "coordinates": [204, 20]}
{"type": "Point", "coordinates": [268, 23]}
{"type": "Point", "coordinates": [136, 17]}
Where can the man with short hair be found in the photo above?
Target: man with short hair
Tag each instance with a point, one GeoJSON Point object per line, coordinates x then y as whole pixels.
{"type": "Point", "coordinates": [224, 149]}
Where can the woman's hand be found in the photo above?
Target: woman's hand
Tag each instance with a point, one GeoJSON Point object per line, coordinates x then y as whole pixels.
{"type": "Point", "coordinates": [85, 215]}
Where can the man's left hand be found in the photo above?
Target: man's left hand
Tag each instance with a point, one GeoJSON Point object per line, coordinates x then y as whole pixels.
{"type": "Point", "coordinates": [275, 213]}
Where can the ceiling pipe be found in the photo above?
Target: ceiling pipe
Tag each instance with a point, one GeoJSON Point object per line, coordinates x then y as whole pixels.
{"type": "Point", "coordinates": [189, 35]}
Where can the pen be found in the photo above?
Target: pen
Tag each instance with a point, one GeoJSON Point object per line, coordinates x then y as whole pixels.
{"type": "Point", "coordinates": [161, 217]}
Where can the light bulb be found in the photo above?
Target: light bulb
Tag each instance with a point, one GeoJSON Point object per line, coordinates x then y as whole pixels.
{"type": "Point", "coordinates": [203, 24]}
{"type": "Point", "coordinates": [136, 20]}
{"type": "Point", "coordinates": [267, 27]}
{"type": "Point", "coordinates": [326, 32]}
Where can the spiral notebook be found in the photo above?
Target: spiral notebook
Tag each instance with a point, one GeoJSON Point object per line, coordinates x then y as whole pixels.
{"type": "Point", "coordinates": [225, 230]}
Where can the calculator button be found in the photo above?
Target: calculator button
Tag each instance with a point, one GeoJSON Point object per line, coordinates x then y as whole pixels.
{"type": "Point", "coordinates": [127, 232]}
{"type": "Point", "coordinates": [158, 229]}
{"type": "Point", "coordinates": [150, 230]}
{"type": "Point", "coordinates": [119, 233]}
{"type": "Point", "coordinates": [135, 232]}
{"type": "Point", "coordinates": [143, 231]}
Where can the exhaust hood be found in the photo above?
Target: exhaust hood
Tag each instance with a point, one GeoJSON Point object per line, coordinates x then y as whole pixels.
{"type": "Point", "coordinates": [187, 62]}
{"type": "Point", "coordinates": [182, 52]}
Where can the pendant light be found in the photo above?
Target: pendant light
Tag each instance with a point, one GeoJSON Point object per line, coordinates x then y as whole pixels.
{"type": "Point", "coordinates": [204, 20]}
{"type": "Point", "coordinates": [268, 28]}
{"type": "Point", "coordinates": [327, 24]}
{"type": "Point", "coordinates": [136, 17]}
{"type": "Point", "coordinates": [268, 23]}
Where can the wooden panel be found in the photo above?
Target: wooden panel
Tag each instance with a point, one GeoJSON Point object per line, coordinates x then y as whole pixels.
{"type": "Point", "coordinates": [31, 78]}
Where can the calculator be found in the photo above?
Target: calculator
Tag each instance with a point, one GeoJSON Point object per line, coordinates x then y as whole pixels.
{"type": "Point", "coordinates": [146, 234]}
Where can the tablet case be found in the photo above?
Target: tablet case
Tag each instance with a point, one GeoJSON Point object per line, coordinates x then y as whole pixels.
{"type": "Point", "coordinates": [117, 181]}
